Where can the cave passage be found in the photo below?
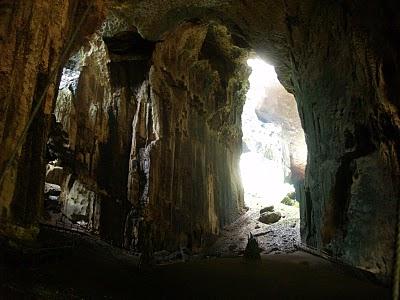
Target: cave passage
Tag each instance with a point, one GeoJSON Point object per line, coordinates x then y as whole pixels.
{"type": "Point", "coordinates": [273, 140]}
{"type": "Point", "coordinates": [122, 162]}
{"type": "Point", "coordinates": [272, 164]}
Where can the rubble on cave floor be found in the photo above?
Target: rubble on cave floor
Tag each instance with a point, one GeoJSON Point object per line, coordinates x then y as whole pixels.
{"type": "Point", "coordinates": [277, 238]}
{"type": "Point", "coordinates": [280, 237]}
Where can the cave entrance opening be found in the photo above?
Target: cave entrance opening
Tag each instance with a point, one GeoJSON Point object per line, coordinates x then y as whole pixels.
{"type": "Point", "coordinates": [274, 150]}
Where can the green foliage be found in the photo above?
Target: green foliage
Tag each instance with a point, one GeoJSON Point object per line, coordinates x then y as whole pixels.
{"type": "Point", "coordinates": [290, 202]}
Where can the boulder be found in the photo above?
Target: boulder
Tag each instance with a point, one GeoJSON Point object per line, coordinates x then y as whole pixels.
{"type": "Point", "coordinates": [270, 217]}
{"type": "Point", "coordinates": [267, 209]}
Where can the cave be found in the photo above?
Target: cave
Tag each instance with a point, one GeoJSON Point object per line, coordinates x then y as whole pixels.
{"type": "Point", "coordinates": [121, 140]}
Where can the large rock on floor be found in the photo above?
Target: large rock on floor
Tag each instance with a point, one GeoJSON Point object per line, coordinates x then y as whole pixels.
{"type": "Point", "coordinates": [267, 209]}
{"type": "Point", "coordinates": [270, 217]}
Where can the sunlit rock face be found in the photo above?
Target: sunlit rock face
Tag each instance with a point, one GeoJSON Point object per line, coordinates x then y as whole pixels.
{"type": "Point", "coordinates": [277, 106]}
{"type": "Point", "coordinates": [33, 36]}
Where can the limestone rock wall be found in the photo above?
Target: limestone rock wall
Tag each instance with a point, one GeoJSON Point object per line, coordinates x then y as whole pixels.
{"type": "Point", "coordinates": [340, 60]}
{"type": "Point", "coordinates": [184, 176]}
{"type": "Point", "coordinates": [33, 35]}
{"type": "Point", "coordinates": [156, 150]}
{"type": "Point", "coordinates": [96, 107]}
{"type": "Point", "coordinates": [350, 116]}
{"type": "Point", "coordinates": [81, 204]}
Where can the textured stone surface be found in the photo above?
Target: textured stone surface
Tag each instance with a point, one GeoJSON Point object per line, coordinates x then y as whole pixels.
{"type": "Point", "coordinates": [342, 68]}
{"type": "Point", "coordinates": [184, 161]}
{"type": "Point", "coordinates": [96, 107]}
{"type": "Point", "coordinates": [79, 203]}
{"type": "Point", "coordinates": [270, 217]}
{"type": "Point", "coordinates": [339, 59]}
{"type": "Point", "coordinates": [33, 35]}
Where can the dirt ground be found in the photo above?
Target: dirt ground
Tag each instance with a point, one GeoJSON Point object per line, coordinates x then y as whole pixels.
{"type": "Point", "coordinates": [94, 270]}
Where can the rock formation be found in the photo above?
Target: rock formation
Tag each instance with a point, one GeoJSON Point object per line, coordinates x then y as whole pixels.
{"type": "Point", "coordinates": [96, 106]}
{"type": "Point", "coordinates": [176, 127]}
{"type": "Point", "coordinates": [161, 145]}
{"type": "Point", "coordinates": [279, 107]}
{"type": "Point", "coordinates": [188, 136]}
{"type": "Point", "coordinates": [36, 37]}
{"type": "Point", "coordinates": [340, 61]}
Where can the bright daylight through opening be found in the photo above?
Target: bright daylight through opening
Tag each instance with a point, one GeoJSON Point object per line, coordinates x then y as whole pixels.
{"type": "Point", "coordinates": [273, 140]}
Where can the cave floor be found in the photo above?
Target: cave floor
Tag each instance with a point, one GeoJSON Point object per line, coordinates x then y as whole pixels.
{"type": "Point", "coordinates": [277, 238]}
{"type": "Point", "coordinates": [94, 270]}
